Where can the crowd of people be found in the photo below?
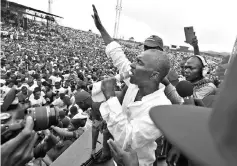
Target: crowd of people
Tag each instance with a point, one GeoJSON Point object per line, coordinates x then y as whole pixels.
{"type": "Point", "coordinates": [54, 66]}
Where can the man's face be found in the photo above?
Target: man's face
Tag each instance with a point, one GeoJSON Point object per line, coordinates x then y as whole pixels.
{"type": "Point", "coordinates": [19, 84]}
{"type": "Point", "coordinates": [30, 83]}
{"type": "Point", "coordinates": [142, 68]}
{"type": "Point", "coordinates": [57, 85]}
{"type": "Point", "coordinates": [47, 88]}
{"type": "Point", "coordinates": [50, 81]}
{"type": "Point", "coordinates": [39, 83]}
{"type": "Point", "coordinates": [61, 95]}
{"type": "Point", "coordinates": [37, 95]}
{"type": "Point", "coordinates": [24, 90]}
{"type": "Point", "coordinates": [192, 69]}
{"type": "Point", "coordinates": [83, 105]}
{"type": "Point", "coordinates": [73, 88]}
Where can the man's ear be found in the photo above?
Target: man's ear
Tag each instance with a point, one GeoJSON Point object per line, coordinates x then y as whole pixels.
{"type": "Point", "coordinates": [155, 75]}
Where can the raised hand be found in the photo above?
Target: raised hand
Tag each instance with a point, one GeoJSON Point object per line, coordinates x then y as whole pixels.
{"type": "Point", "coordinates": [96, 18]}
{"type": "Point", "coordinates": [105, 35]}
{"type": "Point", "coordinates": [194, 42]}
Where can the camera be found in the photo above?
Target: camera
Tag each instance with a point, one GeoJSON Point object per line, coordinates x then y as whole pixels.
{"type": "Point", "coordinates": [12, 122]}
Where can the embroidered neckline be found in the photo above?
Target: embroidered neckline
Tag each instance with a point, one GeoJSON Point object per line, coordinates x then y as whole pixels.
{"type": "Point", "coordinates": [203, 82]}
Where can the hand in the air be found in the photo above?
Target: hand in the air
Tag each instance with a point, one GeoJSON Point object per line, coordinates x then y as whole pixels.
{"type": "Point", "coordinates": [19, 150]}
{"type": "Point", "coordinates": [173, 155]}
{"type": "Point", "coordinates": [107, 87]}
{"type": "Point", "coordinates": [127, 158]}
{"type": "Point", "coordinates": [96, 18]}
{"type": "Point", "coordinates": [194, 42]}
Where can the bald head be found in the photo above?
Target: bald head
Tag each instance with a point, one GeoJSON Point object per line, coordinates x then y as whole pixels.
{"type": "Point", "coordinates": [157, 61]}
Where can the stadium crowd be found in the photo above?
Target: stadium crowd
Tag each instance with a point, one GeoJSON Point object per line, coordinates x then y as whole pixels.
{"type": "Point", "coordinates": [54, 67]}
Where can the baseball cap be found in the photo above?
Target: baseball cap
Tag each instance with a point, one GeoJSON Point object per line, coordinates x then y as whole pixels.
{"type": "Point", "coordinates": [81, 96]}
{"type": "Point", "coordinates": [205, 135]}
{"type": "Point", "coordinates": [154, 41]}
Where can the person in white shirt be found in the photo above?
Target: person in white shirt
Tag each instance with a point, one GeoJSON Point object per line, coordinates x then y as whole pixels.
{"type": "Point", "coordinates": [32, 84]}
{"type": "Point", "coordinates": [55, 78]}
{"type": "Point", "coordinates": [38, 100]}
{"type": "Point", "coordinates": [37, 84]}
{"type": "Point", "coordinates": [59, 101]}
{"type": "Point", "coordinates": [130, 123]}
{"type": "Point", "coordinates": [56, 89]}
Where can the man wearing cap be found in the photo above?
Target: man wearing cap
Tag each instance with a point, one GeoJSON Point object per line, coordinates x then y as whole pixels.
{"type": "Point", "coordinates": [153, 42]}
{"type": "Point", "coordinates": [171, 80]}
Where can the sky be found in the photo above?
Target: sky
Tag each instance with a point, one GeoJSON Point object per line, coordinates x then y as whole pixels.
{"type": "Point", "coordinates": [214, 21]}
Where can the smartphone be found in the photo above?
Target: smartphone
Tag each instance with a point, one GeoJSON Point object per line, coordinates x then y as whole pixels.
{"type": "Point", "coordinates": [189, 34]}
